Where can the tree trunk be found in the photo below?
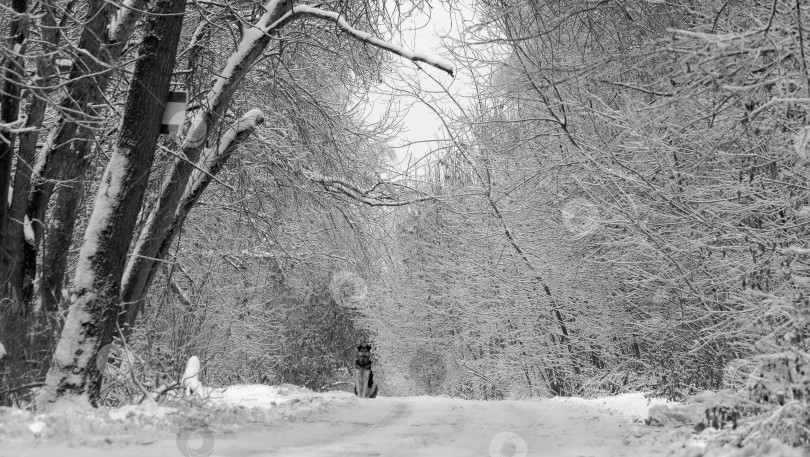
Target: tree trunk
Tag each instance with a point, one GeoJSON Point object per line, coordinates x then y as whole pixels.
{"type": "Point", "coordinates": [13, 71]}
{"type": "Point", "coordinates": [157, 235]}
{"type": "Point", "coordinates": [11, 311]}
{"type": "Point", "coordinates": [92, 318]}
{"type": "Point", "coordinates": [69, 150]}
{"type": "Point", "coordinates": [67, 158]}
{"type": "Point", "coordinates": [59, 238]}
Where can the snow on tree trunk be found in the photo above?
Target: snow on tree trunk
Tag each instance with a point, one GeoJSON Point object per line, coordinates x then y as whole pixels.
{"type": "Point", "coordinates": [76, 371]}
{"type": "Point", "coordinates": [158, 233]}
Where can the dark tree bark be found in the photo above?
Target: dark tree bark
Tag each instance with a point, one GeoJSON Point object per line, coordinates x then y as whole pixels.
{"type": "Point", "coordinates": [68, 159]}
{"type": "Point", "coordinates": [69, 154]}
{"type": "Point", "coordinates": [11, 311]}
{"type": "Point", "coordinates": [68, 140]}
{"type": "Point", "coordinates": [13, 241]}
{"type": "Point", "coordinates": [59, 238]}
{"type": "Point", "coordinates": [92, 318]}
{"type": "Point", "coordinates": [13, 72]}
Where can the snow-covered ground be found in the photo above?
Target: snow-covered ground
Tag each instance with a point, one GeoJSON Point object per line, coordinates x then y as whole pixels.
{"type": "Point", "coordinates": [243, 421]}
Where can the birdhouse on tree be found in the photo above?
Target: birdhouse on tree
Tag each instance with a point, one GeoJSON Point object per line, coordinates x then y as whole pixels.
{"type": "Point", "coordinates": [175, 113]}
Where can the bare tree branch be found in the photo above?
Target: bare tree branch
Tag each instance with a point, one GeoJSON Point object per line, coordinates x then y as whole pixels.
{"type": "Point", "coordinates": [432, 60]}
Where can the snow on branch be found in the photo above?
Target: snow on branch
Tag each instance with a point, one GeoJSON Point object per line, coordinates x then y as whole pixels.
{"type": "Point", "coordinates": [363, 196]}
{"type": "Point", "coordinates": [248, 121]}
{"type": "Point", "coordinates": [214, 158]}
{"type": "Point", "coordinates": [253, 42]}
{"type": "Point", "coordinates": [432, 60]}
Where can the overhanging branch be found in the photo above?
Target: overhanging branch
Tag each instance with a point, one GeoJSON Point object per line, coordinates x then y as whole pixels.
{"type": "Point", "coordinates": [364, 196]}
{"type": "Point", "coordinates": [365, 37]}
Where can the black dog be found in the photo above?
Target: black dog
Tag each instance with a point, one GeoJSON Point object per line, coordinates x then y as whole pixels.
{"type": "Point", "coordinates": [364, 386]}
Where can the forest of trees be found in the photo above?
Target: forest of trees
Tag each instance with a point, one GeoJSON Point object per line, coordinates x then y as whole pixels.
{"type": "Point", "coordinates": [618, 200]}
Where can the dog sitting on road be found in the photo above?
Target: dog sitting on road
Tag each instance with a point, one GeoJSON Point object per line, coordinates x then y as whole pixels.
{"type": "Point", "coordinates": [364, 386]}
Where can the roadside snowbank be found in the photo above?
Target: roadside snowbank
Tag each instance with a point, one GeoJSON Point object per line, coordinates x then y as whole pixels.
{"type": "Point", "coordinates": [634, 406]}
{"type": "Point", "coordinates": [222, 410]}
{"type": "Point", "coordinates": [268, 397]}
{"type": "Point", "coordinates": [249, 395]}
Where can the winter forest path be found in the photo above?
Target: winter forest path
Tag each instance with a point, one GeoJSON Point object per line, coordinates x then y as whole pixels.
{"type": "Point", "coordinates": [418, 426]}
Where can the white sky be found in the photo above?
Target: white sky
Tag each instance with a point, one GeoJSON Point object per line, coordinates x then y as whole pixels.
{"type": "Point", "coordinates": [423, 32]}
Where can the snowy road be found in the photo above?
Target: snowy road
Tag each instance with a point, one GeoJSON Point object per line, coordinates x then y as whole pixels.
{"type": "Point", "coordinates": [411, 426]}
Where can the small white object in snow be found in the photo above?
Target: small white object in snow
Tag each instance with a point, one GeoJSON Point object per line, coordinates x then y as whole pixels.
{"type": "Point", "coordinates": [191, 379]}
{"type": "Point", "coordinates": [37, 427]}
{"type": "Point", "coordinates": [2, 351]}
